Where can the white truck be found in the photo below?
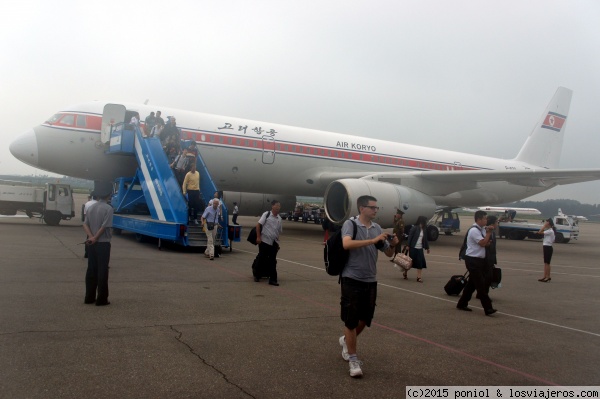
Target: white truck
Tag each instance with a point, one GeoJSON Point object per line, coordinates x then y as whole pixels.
{"type": "Point", "coordinates": [567, 229]}
{"type": "Point", "coordinates": [53, 203]}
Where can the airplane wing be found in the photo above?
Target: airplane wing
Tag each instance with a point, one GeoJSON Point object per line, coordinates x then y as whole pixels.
{"type": "Point", "coordinates": [438, 183]}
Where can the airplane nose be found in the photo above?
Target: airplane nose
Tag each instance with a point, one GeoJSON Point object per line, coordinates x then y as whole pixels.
{"type": "Point", "coordinates": [25, 148]}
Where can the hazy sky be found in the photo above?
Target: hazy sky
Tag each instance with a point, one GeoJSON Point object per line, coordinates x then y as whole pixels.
{"type": "Point", "coordinates": [470, 76]}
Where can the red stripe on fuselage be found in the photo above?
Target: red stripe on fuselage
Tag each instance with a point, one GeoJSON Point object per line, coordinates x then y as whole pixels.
{"type": "Point", "coordinates": [240, 142]}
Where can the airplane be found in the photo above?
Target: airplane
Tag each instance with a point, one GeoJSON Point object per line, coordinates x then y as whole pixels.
{"type": "Point", "coordinates": [521, 211]}
{"type": "Point", "coordinates": [578, 218]}
{"type": "Point", "coordinates": [247, 158]}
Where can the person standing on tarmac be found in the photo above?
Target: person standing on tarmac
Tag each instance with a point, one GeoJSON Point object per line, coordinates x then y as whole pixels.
{"type": "Point", "coordinates": [235, 213]}
{"type": "Point", "coordinates": [97, 226]}
{"type": "Point", "coordinates": [399, 229]}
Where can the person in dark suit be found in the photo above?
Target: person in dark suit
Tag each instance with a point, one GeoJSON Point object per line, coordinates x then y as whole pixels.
{"type": "Point", "coordinates": [417, 243]}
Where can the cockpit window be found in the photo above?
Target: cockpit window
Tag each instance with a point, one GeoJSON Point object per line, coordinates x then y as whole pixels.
{"type": "Point", "coordinates": [81, 121]}
{"type": "Point", "coordinates": [68, 120]}
{"type": "Point", "coordinates": [54, 118]}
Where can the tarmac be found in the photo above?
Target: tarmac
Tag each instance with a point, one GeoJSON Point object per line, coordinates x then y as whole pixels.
{"type": "Point", "coordinates": [181, 326]}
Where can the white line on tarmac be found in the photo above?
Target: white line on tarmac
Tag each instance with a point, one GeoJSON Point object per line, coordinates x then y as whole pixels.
{"type": "Point", "coordinates": [506, 314]}
{"type": "Point", "coordinates": [452, 301]}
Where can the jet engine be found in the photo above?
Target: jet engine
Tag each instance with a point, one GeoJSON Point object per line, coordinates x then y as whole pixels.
{"type": "Point", "coordinates": [254, 204]}
{"type": "Point", "coordinates": [341, 195]}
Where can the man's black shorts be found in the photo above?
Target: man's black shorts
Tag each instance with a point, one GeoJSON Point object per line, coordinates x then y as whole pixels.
{"type": "Point", "coordinates": [358, 302]}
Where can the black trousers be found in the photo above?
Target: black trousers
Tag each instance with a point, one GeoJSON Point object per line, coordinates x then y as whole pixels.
{"type": "Point", "coordinates": [234, 220]}
{"type": "Point", "coordinates": [96, 278]}
{"type": "Point", "coordinates": [478, 271]}
{"type": "Point", "coordinates": [194, 204]}
{"type": "Point", "coordinates": [267, 258]}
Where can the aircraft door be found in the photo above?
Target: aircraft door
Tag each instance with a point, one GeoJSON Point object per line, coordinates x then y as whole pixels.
{"type": "Point", "coordinates": [268, 145]}
{"type": "Point", "coordinates": [112, 114]}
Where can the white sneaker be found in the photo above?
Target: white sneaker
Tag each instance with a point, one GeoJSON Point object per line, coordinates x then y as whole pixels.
{"type": "Point", "coordinates": [345, 354]}
{"type": "Point", "coordinates": [355, 370]}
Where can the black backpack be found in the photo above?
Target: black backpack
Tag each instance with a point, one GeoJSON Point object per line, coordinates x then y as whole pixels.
{"type": "Point", "coordinates": [334, 254]}
{"type": "Point", "coordinates": [463, 249]}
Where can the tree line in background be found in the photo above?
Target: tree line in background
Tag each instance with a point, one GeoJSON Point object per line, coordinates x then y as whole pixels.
{"type": "Point", "coordinates": [548, 207]}
{"type": "Point", "coordinates": [79, 185]}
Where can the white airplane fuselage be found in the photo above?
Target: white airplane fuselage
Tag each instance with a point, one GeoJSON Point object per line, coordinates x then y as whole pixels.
{"type": "Point", "coordinates": [246, 156]}
{"type": "Point", "coordinates": [251, 156]}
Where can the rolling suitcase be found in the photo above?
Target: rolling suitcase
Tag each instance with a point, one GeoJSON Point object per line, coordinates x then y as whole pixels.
{"type": "Point", "coordinates": [259, 270]}
{"type": "Point", "coordinates": [456, 284]}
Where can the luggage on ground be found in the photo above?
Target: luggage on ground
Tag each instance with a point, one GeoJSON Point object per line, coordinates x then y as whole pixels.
{"type": "Point", "coordinates": [456, 284]}
{"type": "Point", "coordinates": [259, 270]}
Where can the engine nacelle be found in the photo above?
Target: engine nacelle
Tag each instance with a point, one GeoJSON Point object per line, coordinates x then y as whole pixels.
{"type": "Point", "coordinates": [341, 195]}
{"type": "Point", "coordinates": [254, 204]}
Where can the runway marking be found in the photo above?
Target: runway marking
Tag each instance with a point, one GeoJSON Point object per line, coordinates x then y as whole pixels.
{"type": "Point", "coordinates": [538, 269]}
{"type": "Point", "coordinates": [400, 332]}
{"type": "Point", "coordinates": [454, 302]}
{"type": "Point", "coordinates": [519, 263]}
{"type": "Point", "coordinates": [503, 313]}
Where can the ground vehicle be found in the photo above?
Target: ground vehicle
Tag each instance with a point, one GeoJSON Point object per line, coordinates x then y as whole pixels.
{"type": "Point", "coordinates": [53, 203]}
{"type": "Point", "coordinates": [306, 214]}
{"type": "Point", "coordinates": [567, 229]}
{"type": "Point", "coordinates": [445, 221]}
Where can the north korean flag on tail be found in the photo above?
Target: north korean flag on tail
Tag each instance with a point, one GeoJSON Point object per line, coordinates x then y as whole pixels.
{"type": "Point", "coordinates": [554, 121]}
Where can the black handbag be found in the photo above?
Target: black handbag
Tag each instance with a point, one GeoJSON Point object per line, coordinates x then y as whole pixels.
{"type": "Point", "coordinates": [211, 225]}
{"type": "Point", "coordinates": [252, 236]}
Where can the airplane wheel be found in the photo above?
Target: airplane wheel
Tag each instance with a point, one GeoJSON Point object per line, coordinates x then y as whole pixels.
{"type": "Point", "coordinates": [140, 237]}
{"type": "Point", "coordinates": [432, 233]}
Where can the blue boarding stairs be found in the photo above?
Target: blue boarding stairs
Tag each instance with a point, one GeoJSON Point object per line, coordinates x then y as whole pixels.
{"type": "Point", "coordinates": [151, 203]}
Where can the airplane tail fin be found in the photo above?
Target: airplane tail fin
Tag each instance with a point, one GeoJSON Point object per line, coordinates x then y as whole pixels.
{"type": "Point", "coordinates": [544, 144]}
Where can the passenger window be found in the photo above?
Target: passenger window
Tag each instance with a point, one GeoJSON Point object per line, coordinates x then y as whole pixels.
{"type": "Point", "coordinates": [81, 121]}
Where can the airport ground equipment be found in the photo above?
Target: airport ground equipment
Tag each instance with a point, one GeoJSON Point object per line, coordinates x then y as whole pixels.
{"type": "Point", "coordinates": [150, 203]}
{"type": "Point", "coordinates": [567, 229]}
{"type": "Point", "coordinates": [443, 221]}
{"type": "Point", "coordinates": [51, 203]}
